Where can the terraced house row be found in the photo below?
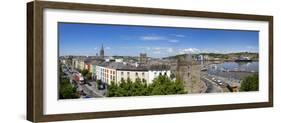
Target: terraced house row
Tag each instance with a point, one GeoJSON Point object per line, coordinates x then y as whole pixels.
{"type": "Point", "coordinates": [115, 70]}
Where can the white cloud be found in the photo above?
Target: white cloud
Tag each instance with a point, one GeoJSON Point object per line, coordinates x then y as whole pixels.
{"type": "Point", "coordinates": [144, 48]}
{"type": "Point", "coordinates": [158, 38]}
{"type": "Point", "coordinates": [170, 50]}
{"type": "Point", "coordinates": [159, 48]}
{"type": "Point", "coordinates": [162, 50]}
{"type": "Point", "coordinates": [189, 50]}
{"type": "Point", "coordinates": [157, 52]}
{"type": "Point", "coordinates": [195, 50]}
{"type": "Point", "coordinates": [153, 38]}
{"type": "Point", "coordinates": [179, 35]}
{"type": "Point", "coordinates": [252, 49]}
{"type": "Point", "coordinates": [108, 48]}
{"type": "Point", "coordinates": [147, 48]}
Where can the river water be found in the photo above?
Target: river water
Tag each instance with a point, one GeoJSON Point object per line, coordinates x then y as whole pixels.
{"type": "Point", "coordinates": [233, 70]}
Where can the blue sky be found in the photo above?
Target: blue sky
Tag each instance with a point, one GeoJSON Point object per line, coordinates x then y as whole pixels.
{"type": "Point", "coordinates": [86, 39]}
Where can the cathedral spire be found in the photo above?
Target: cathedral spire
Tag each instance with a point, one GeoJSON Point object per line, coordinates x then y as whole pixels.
{"type": "Point", "coordinates": [102, 52]}
{"type": "Point", "coordinates": [101, 46]}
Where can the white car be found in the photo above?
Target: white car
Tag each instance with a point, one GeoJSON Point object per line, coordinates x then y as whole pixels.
{"type": "Point", "coordinates": [219, 82]}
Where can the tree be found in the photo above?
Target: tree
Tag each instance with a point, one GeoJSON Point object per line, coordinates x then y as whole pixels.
{"type": "Point", "coordinates": [99, 83]}
{"type": "Point", "coordinates": [66, 90]}
{"type": "Point", "coordinates": [144, 81]}
{"type": "Point", "coordinates": [89, 76]}
{"type": "Point", "coordinates": [172, 76]}
{"type": "Point", "coordinates": [162, 85]}
{"type": "Point", "coordinates": [84, 72]}
{"type": "Point", "coordinates": [250, 83]}
{"type": "Point", "coordinates": [137, 87]}
{"type": "Point", "coordinates": [179, 87]}
{"type": "Point", "coordinates": [113, 89]}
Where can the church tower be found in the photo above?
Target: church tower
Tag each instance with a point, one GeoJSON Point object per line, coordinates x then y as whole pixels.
{"type": "Point", "coordinates": [102, 52]}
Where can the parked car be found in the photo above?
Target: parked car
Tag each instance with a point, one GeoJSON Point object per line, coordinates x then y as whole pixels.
{"type": "Point", "coordinates": [220, 82]}
{"type": "Point", "coordinates": [89, 83]}
{"type": "Point", "coordinates": [101, 86]}
{"type": "Point", "coordinates": [87, 97]}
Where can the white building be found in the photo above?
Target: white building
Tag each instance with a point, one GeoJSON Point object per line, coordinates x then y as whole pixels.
{"type": "Point", "coordinates": [156, 70]}
{"type": "Point", "coordinates": [116, 71]}
{"type": "Point", "coordinates": [153, 74]}
{"type": "Point", "coordinates": [106, 74]}
{"type": "Point", "coordinates": [119, 60]}
{"type": "Point", "coordinates": [132, 75]}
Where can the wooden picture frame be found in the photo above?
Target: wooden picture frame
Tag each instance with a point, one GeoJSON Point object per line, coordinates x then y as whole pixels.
{"type": "Point", "coordinates": [35, 46]}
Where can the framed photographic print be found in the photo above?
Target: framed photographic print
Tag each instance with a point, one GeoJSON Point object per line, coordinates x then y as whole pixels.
{"type": "Point", "coordinates": [96, 61]}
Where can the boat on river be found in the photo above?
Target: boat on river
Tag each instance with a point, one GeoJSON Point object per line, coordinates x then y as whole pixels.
{"type": "Point", "coordinates": [243, 59]}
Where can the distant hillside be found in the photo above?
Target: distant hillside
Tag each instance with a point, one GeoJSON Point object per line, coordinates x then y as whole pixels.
{"type": "Point", "coordinates": [175, 57]}
{"type": "Point", "coordinates": [221, 56]}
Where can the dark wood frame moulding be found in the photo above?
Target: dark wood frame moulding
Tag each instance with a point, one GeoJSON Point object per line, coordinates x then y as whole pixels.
{"type": "Point", "coordinates": [35, 60]}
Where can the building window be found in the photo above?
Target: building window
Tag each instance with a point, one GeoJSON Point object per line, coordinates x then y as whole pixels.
{"type": "Point", "coordinates": [142, 73]}
{"type": "Point", "coordinates": [136, 73]}
{"type": "Point", "coordinates": [122, 73]}
{"type": "Point", "coordinates": [128, 73]}
{"type": "Point", "coordinates": [165, 73]}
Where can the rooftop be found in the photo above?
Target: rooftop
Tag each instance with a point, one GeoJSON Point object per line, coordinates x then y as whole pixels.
{"type": "Point", "coordinates": [123, 66]}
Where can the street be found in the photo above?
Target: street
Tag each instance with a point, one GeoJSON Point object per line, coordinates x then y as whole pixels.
{"type": "Point", "coordinates": [89, 88]}
{"type": "Point", "coordinates": [211, 86]}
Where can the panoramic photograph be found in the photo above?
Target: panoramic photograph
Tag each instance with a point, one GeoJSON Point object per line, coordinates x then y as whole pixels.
{"type": "Point", "coordinates": [103, 60]}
